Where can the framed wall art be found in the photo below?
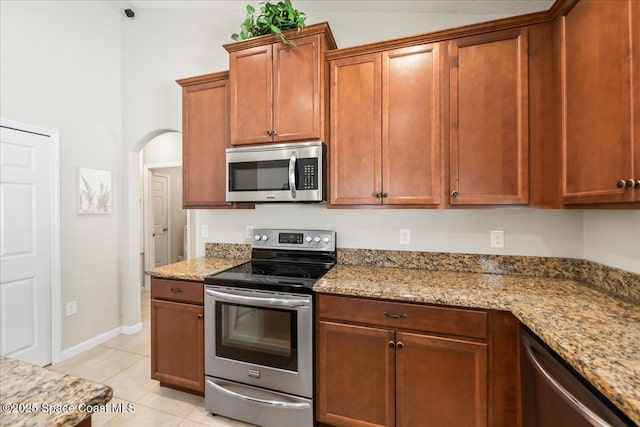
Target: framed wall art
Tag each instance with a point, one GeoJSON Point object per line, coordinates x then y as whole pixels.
{"type": "Point", "coordinates": [94, 191]}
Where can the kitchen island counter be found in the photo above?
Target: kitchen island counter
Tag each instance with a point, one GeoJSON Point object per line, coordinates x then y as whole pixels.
{"type": "Point", "coordinates": [36, 396]}
{"type": "Point", "coordinates": [598, 334]}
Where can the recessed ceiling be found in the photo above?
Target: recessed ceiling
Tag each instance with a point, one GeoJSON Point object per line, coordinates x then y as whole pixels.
{"type": "Point", "coordinates": [493, 7]}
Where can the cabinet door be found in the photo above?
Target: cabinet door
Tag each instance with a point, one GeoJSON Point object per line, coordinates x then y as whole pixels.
{"type": "Point", "coordinates": [440, 381]}
{"type": "Point", "coordinates": [250, 75]}
{"type": "Point", "coordinates": [205, 136]}
{"type": "Point", "coordinates": [296, 89]}
{"type": "Point", "coordinates": [356, 130]}
{"type": "Point", "coordinates": [489, 153]}
{"type": "Point", "coordinates": [596, 66]}
{"type": "Point", "coordinates": [411, 126]}
{"type": "Point", "coordinates": [355, 376]}
{"type": "Point", "coordinates": [177, 344]}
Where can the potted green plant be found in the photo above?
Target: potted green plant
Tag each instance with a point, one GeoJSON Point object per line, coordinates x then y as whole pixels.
{"type": "Point", "coordinates": [273, 18]}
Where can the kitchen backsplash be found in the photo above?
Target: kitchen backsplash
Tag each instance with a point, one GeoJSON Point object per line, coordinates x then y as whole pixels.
{"type": "Point", "coordinates": [614, 280]}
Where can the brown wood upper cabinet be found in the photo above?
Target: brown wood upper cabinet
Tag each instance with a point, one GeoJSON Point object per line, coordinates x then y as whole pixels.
{"type": "Point", "coordinates": [278, 90]}
{"type": "Point", "coordinates": [385, 128]}
{"type": "Point", "coordinates": [205, 135]}
{"type": "Point", "coordinates": [600, 91]}
{"type": "Point", "coordinates": [488, 113]}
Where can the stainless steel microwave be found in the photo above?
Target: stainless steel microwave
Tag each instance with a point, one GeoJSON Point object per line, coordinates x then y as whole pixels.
{"type": "Point", "coordinates": [293, 172]}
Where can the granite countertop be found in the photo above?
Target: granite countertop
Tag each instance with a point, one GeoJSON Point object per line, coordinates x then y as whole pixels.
{"type": "Point", "coordinates": [195, 269]}
{"type": "Point", "coordinates": [35, 396]}
{"type": "Point", "coordinates": [596, 333]}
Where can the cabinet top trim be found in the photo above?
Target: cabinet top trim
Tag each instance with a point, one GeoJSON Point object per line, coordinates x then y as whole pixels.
{"type": "Point", "coordinates": [559, 7]}
{"type": "Point", "coordinates": [205, 78]}
{"type": "Point", "coordinates": [321, 28]}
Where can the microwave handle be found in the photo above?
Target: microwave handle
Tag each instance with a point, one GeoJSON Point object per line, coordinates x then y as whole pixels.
{"type": "Point", "coordinates": [292, 174]}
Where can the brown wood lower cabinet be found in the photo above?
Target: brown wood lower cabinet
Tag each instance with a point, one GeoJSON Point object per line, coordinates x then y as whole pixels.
{"type": "Point", "coordinates": [381, 371]}
{"type": "Point", "coordinates": [177, 334]}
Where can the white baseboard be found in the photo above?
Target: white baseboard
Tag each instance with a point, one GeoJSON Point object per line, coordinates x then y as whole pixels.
{"type": "Point", "coordinates": [90, 343]}
{"type": "Point", "coordinates": [129, 330]}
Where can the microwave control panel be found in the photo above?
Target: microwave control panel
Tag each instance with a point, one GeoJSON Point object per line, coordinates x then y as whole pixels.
{"type": "Point", "coordinates": [309, 171]}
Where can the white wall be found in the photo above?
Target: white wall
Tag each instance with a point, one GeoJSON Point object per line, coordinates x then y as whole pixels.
{"type": "Point", "coordinates": [613, 238]}
{"type": "Point", "coordinates": [61, 70]}
{"type": "Point", "coordinates": [527, 231]}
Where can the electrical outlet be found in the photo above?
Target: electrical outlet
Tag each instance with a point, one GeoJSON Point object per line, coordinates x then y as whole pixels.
{"type": "Point", "coordinates": [405, 236]}
{"type": "Point", "coordinates": [72, 308]}
{"type": "Point", "coordinates": [496, 238]}
{"type": "Point", "coordinates": [248, 233]}
{"type": "Point", "coordinates": [204, 230]}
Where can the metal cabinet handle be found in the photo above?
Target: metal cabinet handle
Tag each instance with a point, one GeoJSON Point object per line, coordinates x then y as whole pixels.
{"type": "Point", "coordinates": [630, 183]}
{"type": "Point", "coordinates": [385, 195]}
{"type": "Point", "coordinates": [378, 195]}
{"type": "Point", "coordinates": [292, 174]}
{"type": "Point", "coordinates": [638, 183]}
{"type": "Point", "coordinates": [400, 345]}
{"type": "Point", "coordinates": [264, 402]}
{"type": "Point", "coordinates": [395, 316]}
{"type": "Point", "coordinates": [454, 194]}
{"type": "Point", "coordinates": [200, 316]}
{"type": "Point", "coordinates": [274, 132]}
{"type": "Point", "coordinates": [571, 399]}
{"type": "Point", "coordinates": [620, 184]}
{"type": "Point", "coordinates": [176, 290]}
{"type": "Point", "coordinates": [392, 344]}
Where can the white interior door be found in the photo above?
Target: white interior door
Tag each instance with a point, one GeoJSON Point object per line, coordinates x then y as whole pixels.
{"type": "Point", "coordinates": [26, 194]}
{"type": "Point", "coordinates": [160, 212]}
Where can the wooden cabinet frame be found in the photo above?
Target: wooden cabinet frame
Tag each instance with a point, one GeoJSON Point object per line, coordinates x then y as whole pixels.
{"type": "Point", "coordinates": [489, 120]}
{"type": "Point", "coordinates": [371, 368]}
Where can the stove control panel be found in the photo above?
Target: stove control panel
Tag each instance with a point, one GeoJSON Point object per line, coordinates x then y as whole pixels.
{"type": "Point", "coordinates": [321, 240]}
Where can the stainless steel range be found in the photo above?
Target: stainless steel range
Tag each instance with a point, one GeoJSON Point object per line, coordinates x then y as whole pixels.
{"type": "Point", "coordinates": [259, 329]}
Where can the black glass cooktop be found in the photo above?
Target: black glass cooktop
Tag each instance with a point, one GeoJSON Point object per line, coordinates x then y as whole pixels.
{"type": "Point", "coordinates": [271, 275]}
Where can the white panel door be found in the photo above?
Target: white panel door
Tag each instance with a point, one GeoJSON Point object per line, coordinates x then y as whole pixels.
{"type": "Point", "coordinates": [160, 212]}
{"type": "Point", "coordinates": [26, 194]}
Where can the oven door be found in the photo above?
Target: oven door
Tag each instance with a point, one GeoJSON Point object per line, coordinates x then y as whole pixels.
{"type": "Point", "coordinates": [275, 173]}
{"type": "Point", "coordinates": [259, 338]}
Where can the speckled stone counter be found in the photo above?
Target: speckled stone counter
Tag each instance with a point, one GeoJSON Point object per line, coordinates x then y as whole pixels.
{"type": "Point", "coordinates": [195, 269]}
{"type": "Point", "coordinates": [596, 333]}
{"type": "Point", "coordinates": [35, 396]}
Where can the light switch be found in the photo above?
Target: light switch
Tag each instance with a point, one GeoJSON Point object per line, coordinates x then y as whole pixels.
{"type": "Point", "coordinates": [204, 230]}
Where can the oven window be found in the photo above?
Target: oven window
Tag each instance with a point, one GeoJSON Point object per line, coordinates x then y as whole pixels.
{"type": "Point", "coordinates": [264, 336]}
{"type": "Point", "coordinates": [271, 175]}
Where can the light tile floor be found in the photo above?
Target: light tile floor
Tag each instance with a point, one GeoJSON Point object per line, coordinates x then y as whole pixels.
{"type": "Point", "coordinates": [124, 364]}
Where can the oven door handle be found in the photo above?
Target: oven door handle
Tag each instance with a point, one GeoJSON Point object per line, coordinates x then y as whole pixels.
{"type": "Point", "coordinates": [265, 402]}
{"type": "Point", "coordinates": [292, 174]}
{"type": "Point", "coordinates": [272, 302]}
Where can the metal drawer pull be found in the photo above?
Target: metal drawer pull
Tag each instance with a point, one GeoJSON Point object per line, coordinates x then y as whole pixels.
{"type": "Point", "coordinates": [200, 316]}
{"type": "Point", "coordinates": [176, 290]}
{"type": "Point", "coordinates": [279, 404]}
{"type": "Point", "coordinates": [392, 344]}
{"type": "Point", "coordinates": [395, 316]}
{"type": "Point", "coordinates": [564, 393]}
{"type": "Point", "coordinates": [400, 345]}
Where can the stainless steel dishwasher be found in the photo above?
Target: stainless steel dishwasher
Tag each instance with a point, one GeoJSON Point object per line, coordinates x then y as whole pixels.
{"type": "Point", "coordinates": [554, 395]}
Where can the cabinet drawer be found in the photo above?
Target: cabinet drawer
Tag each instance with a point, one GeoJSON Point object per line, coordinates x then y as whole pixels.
{"type": "Point", "coordinates": [177, 290]}
{"type": "Point", "coordinates": [424, 318]}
